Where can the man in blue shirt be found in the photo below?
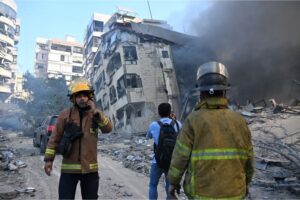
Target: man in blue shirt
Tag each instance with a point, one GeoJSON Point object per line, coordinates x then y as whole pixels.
{"type": "Point", "coordinates": [164, 111]}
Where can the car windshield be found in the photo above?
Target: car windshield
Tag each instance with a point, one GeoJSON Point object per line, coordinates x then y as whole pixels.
{"type": "Point", "coordinates": [53, 120]}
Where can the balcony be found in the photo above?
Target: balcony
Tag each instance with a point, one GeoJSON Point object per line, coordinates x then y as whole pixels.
{"type": "Point", "coordinates": [7, 21]}
{"type": "Point", "coordinates": [5, 89]}
{"type": "Point", "coordinates": [7, 56]}
{"type": "Point", "coordinates": [7, 39]}
{"type": "Point", "coordinates": [5, 73]}
{"type": "Point", "coordinates": [133, 95]}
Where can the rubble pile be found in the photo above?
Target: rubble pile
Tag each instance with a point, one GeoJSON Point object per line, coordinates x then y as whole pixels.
{"type": "Point", "coordinates": [11, 178]}
{"type": "Point", "coordinates": [276, 140]}
{"type": "Point", "coordinates": [135, 153]}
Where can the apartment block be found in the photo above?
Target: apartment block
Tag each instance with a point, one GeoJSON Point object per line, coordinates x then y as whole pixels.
{"type": "Point", "coordinates": [132, 71]}
{"type": "Point", "coordinates": [92, 41]}
{"type": "Point", "coordinates": [58, 58]}
{"type": "Point", "coordinates": [9, 37]}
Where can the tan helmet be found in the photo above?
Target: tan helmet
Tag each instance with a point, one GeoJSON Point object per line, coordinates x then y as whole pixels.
{"type": "Point", "coordinates": [80, 85]}
{"type": "Point", "coordinates": [212, 76]}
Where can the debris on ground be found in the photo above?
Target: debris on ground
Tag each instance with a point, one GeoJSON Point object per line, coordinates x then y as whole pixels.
{"type": "Point", "coordinates": [10, 165]}
{"type": "Point", "coordinates": [276, 141]}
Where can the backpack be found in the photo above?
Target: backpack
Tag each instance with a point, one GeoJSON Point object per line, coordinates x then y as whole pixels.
{"type": "Point", "coordinates": [166, 143]}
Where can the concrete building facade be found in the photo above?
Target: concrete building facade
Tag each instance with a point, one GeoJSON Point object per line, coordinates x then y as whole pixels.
{"type": "Point", "coordinates": [58, 58]}
{"type": "Point", "coordinates": [132, 71]}
{"type": "Point", "coordinates": [9, 37]}
{"type": "Point", "coordinates": [92, 41]}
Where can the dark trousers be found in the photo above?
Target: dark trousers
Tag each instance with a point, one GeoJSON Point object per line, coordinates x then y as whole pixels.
{"type": "Point", "coordinates": [89, 184]}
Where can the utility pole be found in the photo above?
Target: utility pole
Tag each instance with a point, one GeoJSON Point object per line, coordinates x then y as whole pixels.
{"type": "Point", "coordinates": [149, 9]}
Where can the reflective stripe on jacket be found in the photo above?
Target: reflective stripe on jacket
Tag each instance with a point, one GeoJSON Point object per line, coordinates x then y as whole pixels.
{"type": "Point", "coordinates": [83, 156]}
{"type": "Point", "coordinates": [214, 148]}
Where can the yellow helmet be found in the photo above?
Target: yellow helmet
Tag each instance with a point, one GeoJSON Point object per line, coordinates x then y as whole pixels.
{"type": "Point", "coordinates": [80, 85]}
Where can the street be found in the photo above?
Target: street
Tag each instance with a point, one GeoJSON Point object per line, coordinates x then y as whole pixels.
{"type": "Point", "coordinates": [116, 182]}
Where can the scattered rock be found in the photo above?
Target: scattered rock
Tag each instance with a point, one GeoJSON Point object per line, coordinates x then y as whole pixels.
{"type": "Point", "coordinates": [7, 192]}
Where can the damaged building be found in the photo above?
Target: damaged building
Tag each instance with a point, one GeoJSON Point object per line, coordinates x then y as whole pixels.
{"type": "Point", "coordinates": [132, 70]}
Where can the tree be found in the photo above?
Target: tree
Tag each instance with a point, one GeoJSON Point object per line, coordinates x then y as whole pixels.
{"type": "Point", "coordinates": [47, 97]}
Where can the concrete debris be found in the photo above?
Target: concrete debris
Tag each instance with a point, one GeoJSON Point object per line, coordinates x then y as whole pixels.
{"type": "Point", "coordinates": [12, 167]}
{"type": "Point", "coordinates": [10, 174]}
{"type": "Point", "coordinates": [3, 138]}
{"type": "Point", "coordinates": [26, 190]}
{"type": "Point", "coordinates": [135, 154]}
{"type": "Point", "coordinates": [20, 164]}
{"type": "Point", "coordinates": [7, 155]}
{"type": "Point", "coordinates": [7, 192]}
{"type": "Point", "coordinates": [248, 114]}
{"type": "Point", "coordinates": [276, 141]}
{"type": "Point", "coordinates": [280, 108]}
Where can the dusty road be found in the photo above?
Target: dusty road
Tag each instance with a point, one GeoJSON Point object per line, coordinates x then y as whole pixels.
{"type": "Point", "coordinates": [116, 182]}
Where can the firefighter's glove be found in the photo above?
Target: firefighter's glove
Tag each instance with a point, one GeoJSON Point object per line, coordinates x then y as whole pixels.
{"type": "Point", "coordinates": [96, 119]}
{"type": "Point", "coordinates": [172, 190]}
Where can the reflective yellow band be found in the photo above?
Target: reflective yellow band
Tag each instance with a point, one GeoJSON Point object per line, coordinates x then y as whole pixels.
{"type": "Point", "coordinates": [174, 172]}
{"type": "Point", "coordinates": [50, 152]}
{"type": "Point", "coordinates": [219, 154]}
{"type": "Point", "coordinates": [250, 151]}
{"type": "Point", "coordinates": [71, 166]}
{"type": "Point", "coordinates": [213, 198]}
{"type": "Point", "coordinates": [94, 166]}
{"type": "Point", "coordinates": [104, 123]}
{"type": "Point", "coordinates": [92, 131]}
{"type": "Point", "coordinates": [65, 166]}
{"type": "Point", "coordinates": [182, 149]}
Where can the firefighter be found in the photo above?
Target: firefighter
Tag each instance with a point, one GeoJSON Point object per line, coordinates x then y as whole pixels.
{"type": "Point", "coordinates": [214, 146]}
{"type": "Point", "coordinates": [75, 136]}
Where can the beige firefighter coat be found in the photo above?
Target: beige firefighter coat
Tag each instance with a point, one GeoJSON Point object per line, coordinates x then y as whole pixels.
{"type": "Point", "coordinates": [214, 148]}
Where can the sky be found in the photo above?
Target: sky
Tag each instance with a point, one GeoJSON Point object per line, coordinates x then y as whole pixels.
{"type": "Point", "coordinates": [58, 18]}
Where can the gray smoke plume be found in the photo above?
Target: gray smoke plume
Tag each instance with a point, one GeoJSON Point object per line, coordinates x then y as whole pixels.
{"type": "Point", "coordinates": [259, 42]}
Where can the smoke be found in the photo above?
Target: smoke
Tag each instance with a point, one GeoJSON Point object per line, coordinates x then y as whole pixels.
{"type": "Point", "coordinates": [10, 117]}
{"type": "Point", "coordinates": [259, 42]}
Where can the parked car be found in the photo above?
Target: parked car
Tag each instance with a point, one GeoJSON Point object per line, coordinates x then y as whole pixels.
{"type": "Point", "coordinates": [43, 132]}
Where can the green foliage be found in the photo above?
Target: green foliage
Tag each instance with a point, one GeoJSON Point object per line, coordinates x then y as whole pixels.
{"type": "Point", "coordinates": [47, 97]}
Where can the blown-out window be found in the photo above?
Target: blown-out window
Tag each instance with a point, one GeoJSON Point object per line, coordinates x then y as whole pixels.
{"type": "Point", "coordinates": [114, 64]}
{"type": "Point", "coordinates": [165, 54]}
{"type": "Point", "coordinates": [121, 88]}
{"type": "Point", "coordinates": [133, 81]}
{"type": "Point", "coordinates": [128, 81]}
{"type": "Point", "coordinates": [130, 55]}
{"type": "Point", "coordinates": [112, 95]}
